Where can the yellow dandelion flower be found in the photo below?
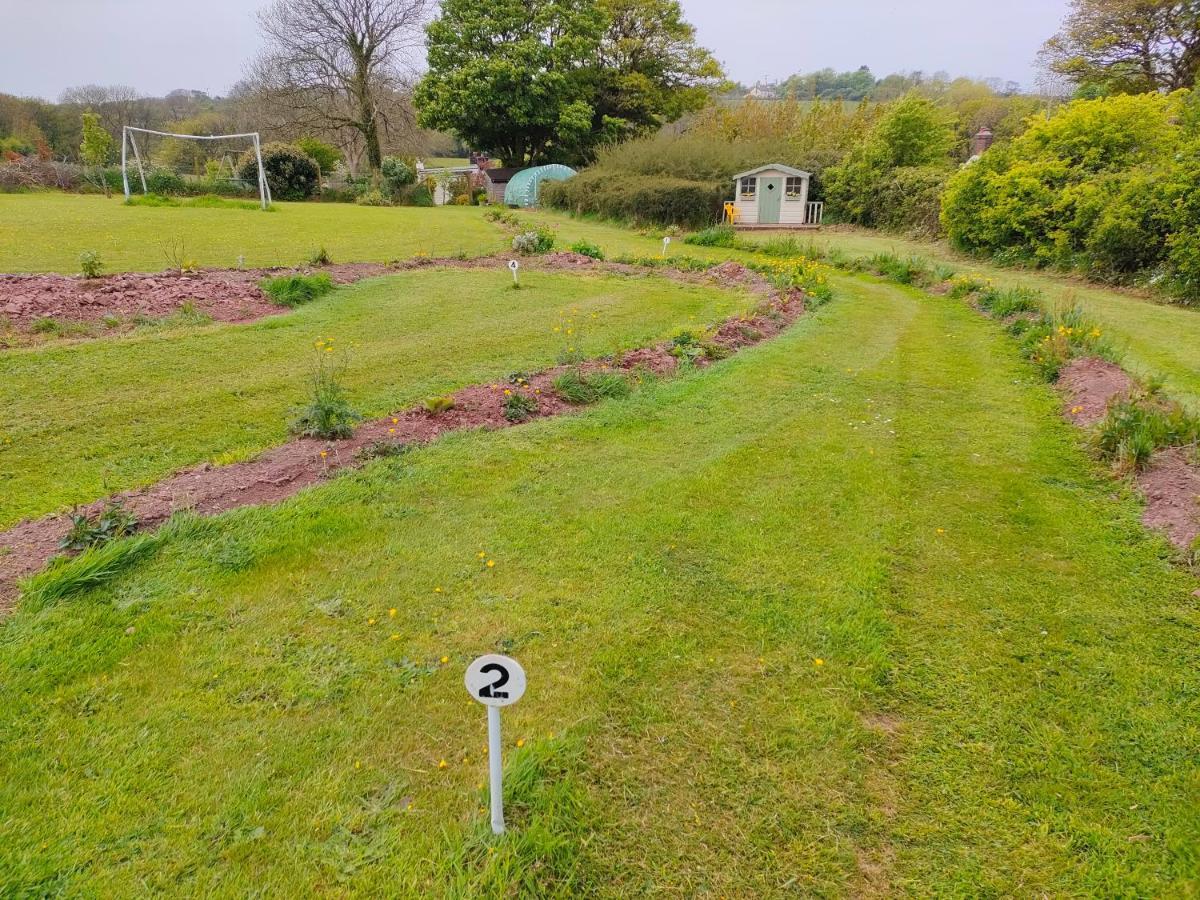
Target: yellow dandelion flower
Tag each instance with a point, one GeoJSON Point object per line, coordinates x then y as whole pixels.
{"type": "Point", "coordinates": [491, 564]}
{"type": "Point", "coordinates": [370, 621]}
{"type": "Point", "coordinates": [443, 764]}
{"type": "Point", "coordinates": [445, 659]}
{"type": "Point", "coordinates": [818, 662]}
{"type": "Point", "coordinates": [521, 742]}
{"type": "Point", "coordinates": [437, 590]}
{"type": "Point", "coordinates": [481, 554]}
{"type": "Point", "coordinates": [392, 612]}
{"type": "Point", "coordinates": [395, 637]}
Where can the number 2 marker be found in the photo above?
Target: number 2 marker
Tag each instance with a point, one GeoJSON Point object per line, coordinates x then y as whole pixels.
{"type": "Point", "coordinates": [495, 681]}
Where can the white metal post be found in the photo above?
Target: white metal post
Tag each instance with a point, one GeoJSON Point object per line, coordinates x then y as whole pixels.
{"type": "Point", "coordinates": [264, 189]}
{"type": "Point", "coordinates": [138, 156]}
{"type": "Point", "coordinates": [496, 769]}
{"type": "Point", "coordinates": [124, 170]}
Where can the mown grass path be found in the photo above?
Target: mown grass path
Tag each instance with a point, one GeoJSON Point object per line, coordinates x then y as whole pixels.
{"type": "Point", "coordinates": [1005, 703]}
{"type": "Point", "coordinates": [81, 421]}
{"type": "Point", "coordinates": [1156, 339]}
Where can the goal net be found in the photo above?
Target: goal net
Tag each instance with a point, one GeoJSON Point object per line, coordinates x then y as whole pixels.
{"type": "Point", "coordinates": [160, 162]}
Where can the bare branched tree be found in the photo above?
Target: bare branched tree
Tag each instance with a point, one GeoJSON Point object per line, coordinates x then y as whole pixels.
{"type": "Point", "coordinates": [337, 64]}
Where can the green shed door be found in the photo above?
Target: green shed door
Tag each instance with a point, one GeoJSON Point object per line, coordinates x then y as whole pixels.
{"type": "Point", "coordinates": [770, 196]}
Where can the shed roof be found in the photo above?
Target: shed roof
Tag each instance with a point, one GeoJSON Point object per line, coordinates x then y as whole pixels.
{"type": "Point", "coordinates": [775, 167]}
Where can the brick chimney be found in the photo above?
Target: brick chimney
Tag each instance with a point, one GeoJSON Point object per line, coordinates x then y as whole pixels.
{"type": "Point", "coordinates": [982, 141]}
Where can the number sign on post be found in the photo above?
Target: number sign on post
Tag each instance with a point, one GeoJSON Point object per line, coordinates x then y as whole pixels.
{"type": "Point", "coordinates": [495, 681]}
{"type": "Point", "coordinates": [513, 266]}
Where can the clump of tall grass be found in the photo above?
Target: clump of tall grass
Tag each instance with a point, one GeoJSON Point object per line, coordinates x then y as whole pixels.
{"type": "Point", "coordinates": [716, 236]}
{"type": "Point", "coordinates": [294, 290]}
{"type": "Point", "coordinates": [580, 388]}
{"type": "Point", "coordinates": [1135, 427]}
{"type": "Point", "coordinates": [66, 576]}
{"type": "Point", "coordinates": [1005, 302]}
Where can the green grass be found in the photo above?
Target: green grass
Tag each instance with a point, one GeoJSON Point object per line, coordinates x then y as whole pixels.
{"type": "Point", "coordinates": [1007, 705]}
{"type": "Point", "coordinates": [81, 421]}
{"type": "Point", "coordinates": [1156, 339]}
{"type": "Point", "coordinates": [46, 232]}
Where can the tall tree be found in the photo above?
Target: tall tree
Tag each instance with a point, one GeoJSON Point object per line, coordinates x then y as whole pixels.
{"type": "Point", "coordinates": [1128, 46]}
{"type": "Point", "coordinates": [333, 63]}
{"type": "Point", "coordinates": [550, 80]}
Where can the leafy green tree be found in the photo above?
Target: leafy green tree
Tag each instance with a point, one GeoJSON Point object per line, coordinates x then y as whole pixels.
{"type": "Point", "coordinates": [1128, 46]}
{"type": "Point", "coordinates": [96, 148]}
{"type": "Point", "coordinates": [324, 155]}
{"type": "Point", "coordinates": [912, 133]}
{"type": "Point", "coordinates": [550, 80]}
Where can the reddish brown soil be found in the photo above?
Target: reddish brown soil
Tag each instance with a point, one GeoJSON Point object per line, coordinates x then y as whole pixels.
{"type": "Point", "coordinates": [1090, 385]}
{"type": "Point", "coordinates": [1172, 489]}
{"type": "Point", "coordinates": [225, 295]}
{"type": "Point", "coordinates": [282, 471]}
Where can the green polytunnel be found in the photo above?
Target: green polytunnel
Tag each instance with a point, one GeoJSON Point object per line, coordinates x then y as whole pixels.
{"type": "Point", "coordinates": [525, 186]}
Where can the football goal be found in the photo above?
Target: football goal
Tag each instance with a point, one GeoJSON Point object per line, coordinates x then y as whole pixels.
{"type": "Point", "coordinates": [218, 162]}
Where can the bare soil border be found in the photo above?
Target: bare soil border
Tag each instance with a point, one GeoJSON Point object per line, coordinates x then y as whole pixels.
{"type": "Point", "coordinates": [284, 470]}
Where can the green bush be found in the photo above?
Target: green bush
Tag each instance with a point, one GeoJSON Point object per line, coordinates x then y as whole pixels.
{"type": "Point", "coordinates": [396, 174]}
{"type": "Point", "coordinates": [587, 248]}
{"type": "Point", "coordinates": [1003, 303]}
{"type": "Point", "coordinates": [658, 200]}
{"type": "Point", "coordinates": [373, 198]}
{"type": "Point", "coordinates": [326, 156]}
{"type": "Point", "coordinates": [112, 521]}
{"type": "Point", "coordinates": [295, 290]}
{"type": "Point", "coordinates": [540, 240]}
{"type": "Point", "coordinates": [415, 195]}
{"type": "Point", "coordinates": [291, 174]}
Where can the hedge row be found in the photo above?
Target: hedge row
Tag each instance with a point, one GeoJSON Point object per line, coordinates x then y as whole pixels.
{"type": "Point", "coordinates": [642, 199]}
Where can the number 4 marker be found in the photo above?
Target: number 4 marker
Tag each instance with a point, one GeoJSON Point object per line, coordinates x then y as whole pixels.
{"type": "Point", "coordinates": [495, 681]}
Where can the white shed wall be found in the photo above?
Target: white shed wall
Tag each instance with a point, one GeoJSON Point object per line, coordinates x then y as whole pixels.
{"type": "Point", "coordinates": [791, 212]}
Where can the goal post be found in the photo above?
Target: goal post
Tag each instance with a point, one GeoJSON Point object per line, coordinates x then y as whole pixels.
{"type": "Point", "coordinates": [129, 140]}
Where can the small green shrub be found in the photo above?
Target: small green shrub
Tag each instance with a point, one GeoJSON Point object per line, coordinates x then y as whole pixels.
{"type": "Point", "coordinates": [913, 271]}
{"type": "Point", "coordinates": [528, 243]}
{"type": "Point", "coordinates": [1054, 339]}
{"type": "Point", "coordinates": [963, 286]}
{"type": "Point", "coordinates": [373, 198]}
{"type": "Point", "coordinates": [518, 407]}
{"type": "Point", "coordinates": [587, 248]}
{"type": "Point", "coordinates": [436, 405]}
{"type": "Point", "coordinates": [716, 236]}
{"type": "Point", "coordinates": [382, 450]}
{"type": "Point", "coordinates": [46, 325]}
{"type": "Point", "coordinates": [111, 522]}
{"type": "Point", "coordinates": [502, 217]}
{"type": "Point", "coordinates": [293, 290]}
{"type": "Point", "coordinates": [320, 257]}
{"type": "Point", "coordinates": [90, 264]}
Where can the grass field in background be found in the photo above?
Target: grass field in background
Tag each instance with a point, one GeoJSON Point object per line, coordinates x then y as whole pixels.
{"type": "Point", "coordinates": [851, 613]}
{"type": "Point", "coordinates": [83, 420]}
{"type": "Point", "coordinates": [46, 232]}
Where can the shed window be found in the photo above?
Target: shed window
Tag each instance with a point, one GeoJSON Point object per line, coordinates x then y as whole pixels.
{"type": "Point", "coordinates": [795, 188]}
{"type": "Point", "coordinates": [749, 189]}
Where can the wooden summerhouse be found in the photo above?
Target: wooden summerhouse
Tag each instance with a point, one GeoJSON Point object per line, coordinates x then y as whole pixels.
{"type": "Point", "coordinates": [773, 196]}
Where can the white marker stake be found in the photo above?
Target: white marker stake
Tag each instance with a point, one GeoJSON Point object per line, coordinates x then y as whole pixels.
{"type": "Point", "coordinates": [513, 265]}
{"type": "Point", "coordinates": [496, 681]}
{"type": "Point", "coordinates": [666, 244]}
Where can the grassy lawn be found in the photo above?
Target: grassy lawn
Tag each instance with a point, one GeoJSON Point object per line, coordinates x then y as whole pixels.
{"type": "Point", "coordinates": [850, 613]}
{"type": "Point", "coordinates": [1157, 339]}
{"type": "Point", "coordinates": [47, 232]}
{"type": "Point", "coordinates": [81, 421]}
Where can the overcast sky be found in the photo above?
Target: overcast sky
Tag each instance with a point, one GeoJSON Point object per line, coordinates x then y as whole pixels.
{"type": "Point", "coordinates": [158, 45]}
